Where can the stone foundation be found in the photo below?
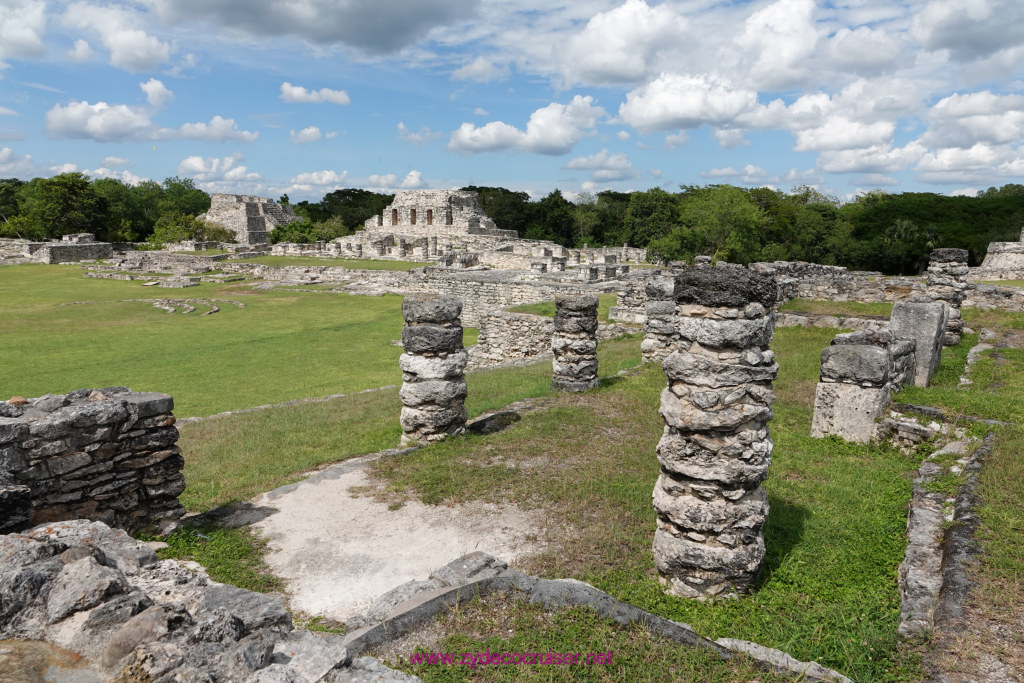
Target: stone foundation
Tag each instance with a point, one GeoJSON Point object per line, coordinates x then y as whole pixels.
{"type": "Point", "coordinates": [574, 343]}
{"type": "Point", "coordinates": [716, 448]}
{"type": "Point", "coordinates": [859, 374]}
{"type": "Point", "coordinates": [108, 455]}
{"type": "Point", "coordinates": [434, 389]}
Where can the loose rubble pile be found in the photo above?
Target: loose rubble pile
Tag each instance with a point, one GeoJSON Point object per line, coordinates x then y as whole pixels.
{"type": "Point", "coordinates": [947, 282]}
{"type": "Point", "coordinates": [103, 454]}
{"type": "Point", "coordinates": [716, 448]}
{"type": "Point", "coordinates": [434, 389]}
{"type": "Point", "coordinates": [84, 587]}
{"type": "Point", "coordinates": [574, 343]}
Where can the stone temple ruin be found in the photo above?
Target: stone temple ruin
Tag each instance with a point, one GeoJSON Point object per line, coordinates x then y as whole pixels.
{"type": "Point", "coordinates": [251, 218]}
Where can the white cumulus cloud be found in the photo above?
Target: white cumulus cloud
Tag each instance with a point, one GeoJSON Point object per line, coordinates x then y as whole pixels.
{"type": "Point", "coordinates": [684, 101]}
{"type": "Point", "coordinates": [157, 93]}
{"type": "Point", "coordinates": [480, 70]}
{"type": "Point", "coordinates": [297, 93]}
{"type": "Point", "coordinates": [553, 129]}
{"type": "Point", "coordinates": [605, 167]}
{"type": "Point", "coordinates": [117, 28]}
{"type": "Point", "coordinates": [22, 25]}
{"type": "Point", "coordinates": [418, 138]}
{"type": "Point", "coordinates": [309, 134]}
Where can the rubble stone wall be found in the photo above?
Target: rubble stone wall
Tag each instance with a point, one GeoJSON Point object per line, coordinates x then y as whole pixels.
{"type": "Point", "coordinates": [108, 455]}
{"type": "Point", "coordinates": [716, 449]}
{"type": "Point", "coordinates": [71, 252]}
{"type": "Point", "coordinates": [505, 336]}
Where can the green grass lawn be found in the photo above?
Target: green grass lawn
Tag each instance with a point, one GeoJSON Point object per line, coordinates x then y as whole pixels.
{"type": "Point", "coordinates": [355, 264]}
{"type": "Point", "coordinates": [547, 308]}
{"type": "Point", "coordinates": [1004, 283]}
{"type": "Point", "coordinates": [850, 308]}
{"type": "Point", "coordinates": [281, 346]}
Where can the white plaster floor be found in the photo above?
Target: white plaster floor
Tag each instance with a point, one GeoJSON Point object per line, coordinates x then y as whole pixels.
{"type": "Point", "coordinates": [337, 552]}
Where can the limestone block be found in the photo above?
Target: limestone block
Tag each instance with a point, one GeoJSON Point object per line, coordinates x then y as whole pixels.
{"type": "Point", "coordinates": [848, 411]}
{"type": "Point", "coordinates": [692, 569]}
{"type": "Point", "coordinates": [690, 513]}
{"type": "Point", "coordinates": [449, 366]}
{"type": "Point", "coordinates": [701, 370]}
{"type": "Point", "coordinates": [736, 465]}
{"type": "Point", "coordinates": [862, 364]}
{"type": "Point", "coordinates": [440, 392]}
{"type": "Point", "coordinates": [925, 324]}
{"type": "Point", "coordinates": [726, 333]}
{"type": "Point", "coordinates": [430, 308]}
{"type": "Point", "coordinates": [429, 338]}
{"type": "Point", "coordinates": [732, 288]}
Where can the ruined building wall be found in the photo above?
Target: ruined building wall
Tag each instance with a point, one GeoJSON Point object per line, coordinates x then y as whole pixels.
{"type": "Point", "coordinates": [251, 218]}
{"type": "Point", "coordinates": [108, 455]}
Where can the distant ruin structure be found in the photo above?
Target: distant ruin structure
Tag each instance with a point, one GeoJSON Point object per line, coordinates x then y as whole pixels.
{"type": "Point", "coordinates": [716, 448]}
{"type": "Point", "coordinates": [1003, 261]}
{"type": "Point", "coordinates": [70, 248]}
{"type": "Point", "coordinates": [436, 212]}
{"type": "Point", "coordinates": [251, 218]}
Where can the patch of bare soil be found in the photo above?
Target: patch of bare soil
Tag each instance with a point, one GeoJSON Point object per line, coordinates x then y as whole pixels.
{"type": "Point", "coordinates": [988, 646]}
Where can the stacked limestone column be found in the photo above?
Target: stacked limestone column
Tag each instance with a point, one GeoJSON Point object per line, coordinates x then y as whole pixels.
{"type": "Point", "coordinates": [947, 282]}
{"type": "Point", "coordinates": [660, 334]}
{"type": "Point", "coordinates": [434, 389]}
{"type": "Point", "coordinates": [574, 343]}
{"type": "Point", "coordinates": [716, 448]}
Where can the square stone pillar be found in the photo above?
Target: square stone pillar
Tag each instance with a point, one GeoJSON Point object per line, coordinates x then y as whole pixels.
{"type": "Point", "coordinates": [924, 323]}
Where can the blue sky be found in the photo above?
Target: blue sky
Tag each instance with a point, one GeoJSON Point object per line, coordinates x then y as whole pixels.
{"type": "Point", "coordinates": [304, 97]}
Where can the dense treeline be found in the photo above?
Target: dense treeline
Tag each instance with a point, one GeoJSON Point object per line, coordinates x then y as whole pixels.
{"type": "Point", "coordinates": [892, 233]}
{"type": "Point", "coordinates": [48, 208]}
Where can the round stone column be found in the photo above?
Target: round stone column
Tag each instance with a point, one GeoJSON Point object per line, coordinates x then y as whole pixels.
{"type": "Point", "coordinates": [574, 343]}
{"type": "Point", "coordinates": [434, 387]}
{"type": "Point", "coordinates": [716, 448]}
{"type": "Point", "coordinates": [659, 328]}
{"type": "Point", "coordinates": [947, 282]}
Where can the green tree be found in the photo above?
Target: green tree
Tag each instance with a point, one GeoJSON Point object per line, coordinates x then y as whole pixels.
{"type": "Point", "coordinates": [10, 201]}
{"type": "Point", "coordinates": [552, 219]}
{"type": "Point", "coordinates": [181, 195]}
{"type": "Point", "coordinates": [725, 222]}
{"type": "Point", "coordinates": [175, 226]}
{"type": "Point", "coordinates": [508, 209]}
{"type": "Point", "coordinates": [585, 219]}
{"type": "Point", "coordinates": [67, 204]}
{"type": "Point", "coordinates": [650, 215]}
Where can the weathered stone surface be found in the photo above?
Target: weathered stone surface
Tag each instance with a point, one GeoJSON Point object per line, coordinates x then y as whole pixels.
{"type": "Point", "coordinates": [574, 343]}
{"type": "Point", "coordinates": [451, 366]}
{"type": "Point", "coordinates": [848, 410]}
{"type": "Point", "coordinates": [440, 392]}
{"type": "Point", "coordinates": [717, 287]}
{"type": "Point", "coordinates": [73, 586]}
{"type": "Point", "coordinates": [431, 339]}
{"type": "Point", "coordinates": [948, 256]}
{"type": "Point", "coordinates": [858, 363]}
{"type": "Point", "coordinates": [433, 392]}
{"type": "Point", "coordinates": [431, 308]}
{"type": "Point", "coordinates": [722, 334]}
{"type": "Point", "coordinates": [716, 449]}
{"type": "Point", "coordinates": [925, 324]}
{"type": "Point", "coordinates": [105, 454]}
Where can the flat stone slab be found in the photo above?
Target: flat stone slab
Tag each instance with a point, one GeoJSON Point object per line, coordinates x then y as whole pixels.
{"type": "Point", "coordinates": [338, 551]}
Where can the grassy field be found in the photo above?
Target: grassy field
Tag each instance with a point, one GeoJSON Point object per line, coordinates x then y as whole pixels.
{"type": "Point", "coordinates": [357, 264]}
{"type": "Point", "coordinates": [851, 308]}
{"type": "Point", "coordinates": [281, 346]}
{"type": "Point", "coordinates": [547, 308]}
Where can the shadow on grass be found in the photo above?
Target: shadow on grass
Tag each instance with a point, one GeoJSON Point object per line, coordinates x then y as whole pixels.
{"type": "Point", "coordinates": [783, 532]}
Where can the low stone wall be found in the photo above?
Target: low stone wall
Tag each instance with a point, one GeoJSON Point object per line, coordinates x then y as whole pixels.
{"type": "Point", "coordinates": [71, 252]}
{"type": "Point", "coordinates": [505, 336]}
{"type": "Point", "coordinates": [106, 454]}
{"type": "Point", "coordinates": [994, 297]}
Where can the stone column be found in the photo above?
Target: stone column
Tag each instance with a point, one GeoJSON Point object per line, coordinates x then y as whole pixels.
{"type": "Point", "coordinates": [947, 282]}
{"type": "Point", "coordinates": [716, 448]}
{"type": "Point", "coordinates": [432, 246]}
{"type": "Point", "coordinates": [434, 390]}
{"type": "Point", "coordinates": [854, 391]}
{"type": "Point", "coordinates": [574, 343]}
{"type": "Point", "coordinates": [924, 323]}
{"type": "Point", "coordinates": [660, 335]}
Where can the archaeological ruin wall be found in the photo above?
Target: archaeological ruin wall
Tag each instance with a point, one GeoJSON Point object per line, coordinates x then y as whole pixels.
{"type": "Point", "coordinates": [249, 217]}
{"type": "Point", "coordinates": [108, 455]}
{"type": "Point", "coordinates": [70, 249]}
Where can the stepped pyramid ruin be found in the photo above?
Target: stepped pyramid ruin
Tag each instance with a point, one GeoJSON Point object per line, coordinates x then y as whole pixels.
{"type": "Point", "coordinates": [251, 218]}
